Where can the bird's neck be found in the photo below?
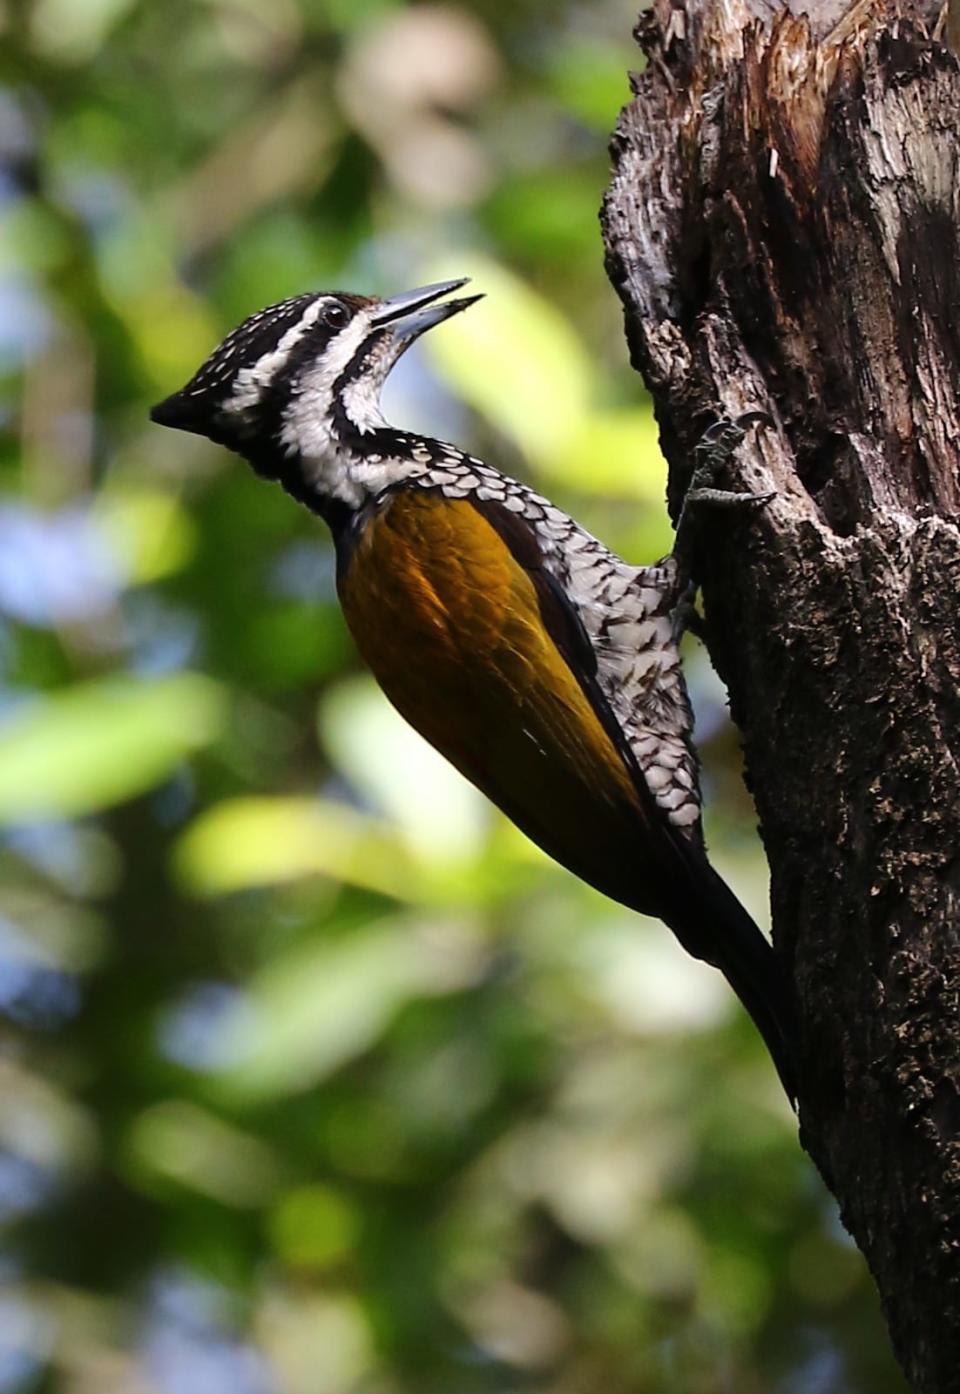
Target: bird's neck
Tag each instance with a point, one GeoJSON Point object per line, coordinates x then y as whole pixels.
{"type": "Point", "coordinates": [343, 465]}
{"type": "Point", "coordinates": [338, 445]}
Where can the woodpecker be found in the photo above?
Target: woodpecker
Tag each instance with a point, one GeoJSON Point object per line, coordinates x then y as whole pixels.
{"type": "Point", "coordinates": [540, 664]}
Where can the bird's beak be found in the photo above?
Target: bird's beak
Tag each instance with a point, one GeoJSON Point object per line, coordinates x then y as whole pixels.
{"type": "Point", "coordinates": [411, 313]}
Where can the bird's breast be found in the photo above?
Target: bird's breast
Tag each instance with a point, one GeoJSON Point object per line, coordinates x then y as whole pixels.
{"type": "Point", "coordinates": [449, 622]}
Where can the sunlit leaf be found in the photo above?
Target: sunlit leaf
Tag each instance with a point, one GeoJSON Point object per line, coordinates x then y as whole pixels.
{"type": "Point", "coordinates": [31, 238]}
{"type": "Point", "coordinates": [98, 743]}
{"type": "Point", "coordinates": [644, 980]}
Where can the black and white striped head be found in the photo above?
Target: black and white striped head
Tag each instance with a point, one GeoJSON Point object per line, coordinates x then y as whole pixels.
{"type": "Point", "coordinates": [296, 387]}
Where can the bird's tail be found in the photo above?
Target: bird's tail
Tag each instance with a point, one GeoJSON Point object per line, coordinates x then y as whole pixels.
{"type": "Point", "coordinates": [717, 928]}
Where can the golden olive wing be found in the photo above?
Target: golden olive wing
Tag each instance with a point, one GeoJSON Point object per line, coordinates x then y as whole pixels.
{"type": "Point", "coordinates": [451, 626]}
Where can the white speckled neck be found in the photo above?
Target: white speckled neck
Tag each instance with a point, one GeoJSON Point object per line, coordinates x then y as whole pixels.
{"type": "Point", "coordinates": [319, 409]}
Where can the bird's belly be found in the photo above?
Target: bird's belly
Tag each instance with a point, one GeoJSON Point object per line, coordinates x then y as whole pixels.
{"type": "Point", "coordinates": [450, 625]}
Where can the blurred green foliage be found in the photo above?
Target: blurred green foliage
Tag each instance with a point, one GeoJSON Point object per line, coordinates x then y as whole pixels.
{"type": "Point", "coordinates": [316, 1077]}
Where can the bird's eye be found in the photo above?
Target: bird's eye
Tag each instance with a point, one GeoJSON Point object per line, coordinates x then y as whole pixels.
{"type": "Point", "coordinates": [336, 315]}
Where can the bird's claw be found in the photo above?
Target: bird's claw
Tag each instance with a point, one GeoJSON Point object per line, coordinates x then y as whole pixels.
{"type": "Point", "coordinates": [711, 452]}
{"type": "Point", "coordinates": [720, 440]}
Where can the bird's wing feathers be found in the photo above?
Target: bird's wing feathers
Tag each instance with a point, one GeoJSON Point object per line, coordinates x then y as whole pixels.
{"type": "Point", "coordinates": [563, 623]}
{"type": "Point", "coordinates": [561, 619]}
{"type": "Point", "coordinates": [699, 906]}
{"type": "Point", "coordinates": [684, 865]}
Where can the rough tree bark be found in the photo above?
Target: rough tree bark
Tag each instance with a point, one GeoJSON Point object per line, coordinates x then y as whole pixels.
{"type": "Point", "coordinates": [782, 227]}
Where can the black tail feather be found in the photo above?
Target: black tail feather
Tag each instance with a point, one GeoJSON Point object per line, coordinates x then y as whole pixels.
{"type": "Point", "coordinates": [714, 926]}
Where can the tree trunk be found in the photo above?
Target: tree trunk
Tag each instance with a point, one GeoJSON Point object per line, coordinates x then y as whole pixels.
{"type": "Point", "coordinates": [782, 226]}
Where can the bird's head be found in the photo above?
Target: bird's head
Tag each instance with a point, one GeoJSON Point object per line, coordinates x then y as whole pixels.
{"type": "Point", "coordinates": [296, 387]}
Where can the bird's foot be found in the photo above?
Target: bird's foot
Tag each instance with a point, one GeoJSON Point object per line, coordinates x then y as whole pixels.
{"type": "Point", "coordinates": [711, 453]}
{"type": "Point", "coordinates": [726, 498]}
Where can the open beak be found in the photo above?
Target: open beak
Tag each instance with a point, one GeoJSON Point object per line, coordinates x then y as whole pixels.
{"type": "Point", "coordinates": [414, 311]}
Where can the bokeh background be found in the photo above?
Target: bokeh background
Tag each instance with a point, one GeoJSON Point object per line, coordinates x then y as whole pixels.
{"type": "Point", "coordinates": [315, 1077]}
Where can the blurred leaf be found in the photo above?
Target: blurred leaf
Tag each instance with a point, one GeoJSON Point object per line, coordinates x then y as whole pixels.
{"type": "Point", "coordinates": [591, 80]}
{"type": "Point", "coordinates": [613, 453]}
{"type": "Point", "coordinates": [288, 644]}
{"type": "Point", "coordinates": [319, 1339]}
{"type": "Point", "coordinates": [148, 529]}
{"type": "Point", "coordinates": [313, 1226]}
{"type": "Point", "coordinates": [547, 217]}
{"type": "Point", "coordinates": [100, 742]}
{"type": "Point", "coordinates": [42, 1122]}
{"type": "Point", "coordinates": [179, 1141]}
{"type": "Point", "coordinates": [171, 329]}
{"type": "Point", "coordinates": [320, 1006]}
{"type": "Point", "coordinates": [72, 32]}
{"type": "Point", "coordinates": [31, 237]}
{"type": "Point", "coordinates": [516, 359]}
{"type": "Point", "coordinates": [241, 843]}
{"type": "Point", "coordinates": [645, 981]}
{"type": "Point", "coordinates": [736, 1290]}
{"type": "Point", "coordinates": [441, 817]}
